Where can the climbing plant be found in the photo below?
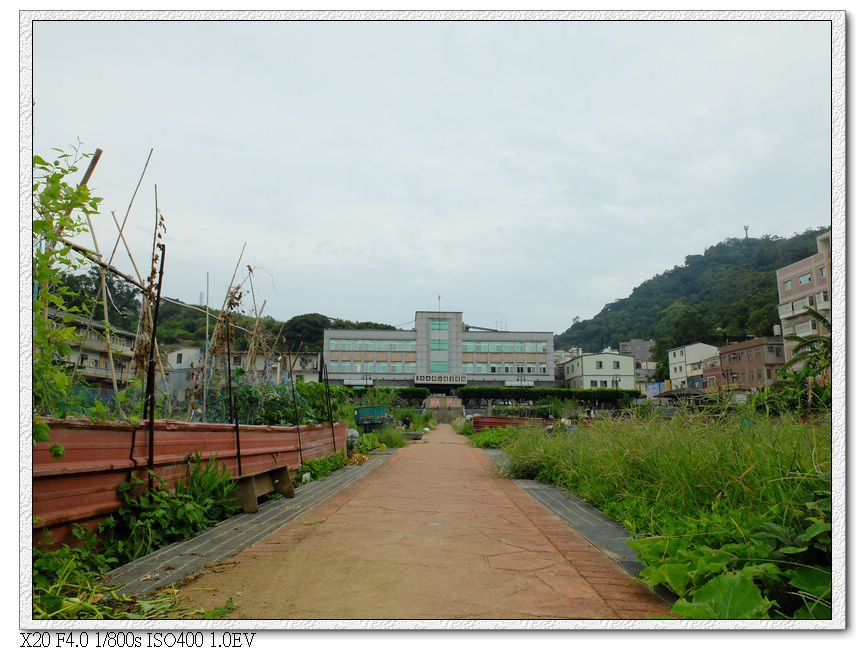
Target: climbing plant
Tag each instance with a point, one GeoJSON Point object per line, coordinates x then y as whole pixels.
{"type": "Point", "coordinates": [59, 213]}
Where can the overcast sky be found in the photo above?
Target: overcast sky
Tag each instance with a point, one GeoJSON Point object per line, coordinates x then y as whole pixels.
{"type": "Point", "coordinates": [526, 172]}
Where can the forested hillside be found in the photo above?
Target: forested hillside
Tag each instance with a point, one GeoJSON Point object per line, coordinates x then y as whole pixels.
{"type": "Point", "coordinates": [724, 294]}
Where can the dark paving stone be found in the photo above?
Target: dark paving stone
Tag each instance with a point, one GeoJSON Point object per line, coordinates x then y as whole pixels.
{"type": "Point", "coordinates": [177, 562]}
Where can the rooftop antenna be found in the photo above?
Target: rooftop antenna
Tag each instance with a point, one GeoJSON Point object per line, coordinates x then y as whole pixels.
{"type": "Point", "coordinates": [746, 232]}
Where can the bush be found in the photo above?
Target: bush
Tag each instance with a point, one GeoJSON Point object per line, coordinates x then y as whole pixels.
{"type": "Point", "coordinates": [318, 468]}
{"type": "Point", "coordinates": [391, 437]}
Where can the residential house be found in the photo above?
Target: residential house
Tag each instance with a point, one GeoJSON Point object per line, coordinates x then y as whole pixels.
{"type": "Point", "coordinates": [102, 356]}
{"type": "Point", "coordinates": [184, 365]}
{"type": "Point", "coordinates": [687, 363]}
{"type": "Point", "coordinates": [600, 370]}
{"type": "Point", "coordinates": [806, 283]}
{"type": "Point", "coordinates": [751, 364]}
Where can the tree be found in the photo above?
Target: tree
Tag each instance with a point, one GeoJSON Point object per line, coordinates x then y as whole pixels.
{"type": "Point", "coordinates": [123, 298]}
{"type": "Point", "coordinates": [814, 351]}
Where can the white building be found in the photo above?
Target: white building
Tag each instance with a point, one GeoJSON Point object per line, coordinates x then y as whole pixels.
{"type": "Point", "coordinates": [600, 370]}
{"type": "Point", "coordinates": [687, 363]}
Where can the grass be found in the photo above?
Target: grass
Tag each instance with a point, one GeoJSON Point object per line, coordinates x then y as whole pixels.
{"type": "Point", "coordinates": [718, 505]}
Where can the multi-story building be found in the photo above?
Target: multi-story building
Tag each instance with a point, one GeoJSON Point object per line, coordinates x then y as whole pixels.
{"type": "Point", "coordinates": [644, 365]}
{"type": "Point", "coordinates": [600, 370]}
{"type": "Point", "coordinates": [806, 283]}
{"type": "Point", "coordinates": [101, 356]}
{"type": "Point", "coordinates": [440, 353]}
{"type": "Point", "coordinates": [687, 363]}
{"type": "Point", "coordinates": [751, 364]}
{"type": "Point", "coordinates": [184, 368]}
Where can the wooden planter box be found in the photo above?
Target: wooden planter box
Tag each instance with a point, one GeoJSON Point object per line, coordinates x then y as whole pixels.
{"type": "Point", "coordinates": [82, 486]}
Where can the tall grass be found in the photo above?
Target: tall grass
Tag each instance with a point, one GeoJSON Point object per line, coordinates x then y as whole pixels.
{"type": "Point", "coordinates": [706, 498]}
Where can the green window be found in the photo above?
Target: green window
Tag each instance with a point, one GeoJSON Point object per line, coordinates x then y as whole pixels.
{"type": "Point", "coordinates": [438, 324]}
{"type": "Point", "coordinates": [438, 344]}
{"type": "Point", "coordinates": [468, 368]}
{"type": "Point", "coordinates": [438, 366]}
{"type": "Point", "coordinates": [468, 346]}
{"type": "Point", "coordinates": [507, 347]}
{"type": "Point", "coordinates": [531, 347]}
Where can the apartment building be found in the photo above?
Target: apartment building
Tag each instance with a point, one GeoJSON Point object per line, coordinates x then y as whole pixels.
{"type": "Point", "coordinates": [102, 356]}
{"type": "Point", "coordinates": [600, 370]}
{"type": "Point", "coordinates": [751, 364]}
{"type": "Point", "coordinates": [441, 353]}
{"type": "Point", "coordinates": [806, 283]}
{"type": "Point", "coordinates": [687, 363]}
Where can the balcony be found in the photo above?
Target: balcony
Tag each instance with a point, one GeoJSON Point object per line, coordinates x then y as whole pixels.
{"type": "Point", "coordinates": [806, 329]}
{"type": "Point", "coordinates": [823, 301]}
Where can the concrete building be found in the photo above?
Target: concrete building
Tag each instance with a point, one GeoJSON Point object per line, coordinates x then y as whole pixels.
{"type": "Point", "coordinates": [687, 363]}
{"type": "Point", "coordinates": [441, 353]}
{"type": "Point", "coordinates": [90, 357]}
{"type": "Point", "coordinates": [184, 365]}
{"type": "Point", "coordinates": [806, 283]}
{"type": "Point", "coordinates": [751, 364]}
{"type": "Point", "coordinates": [644, 365]}
{"type": "Point", "coordinates": [600, 370]}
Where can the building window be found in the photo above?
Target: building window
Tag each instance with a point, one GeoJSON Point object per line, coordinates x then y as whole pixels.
{"type": "Point", "coordinates": [593, 383]}
{"type": "Point", "coordinates": [438, 344]}
{"type": "Point", "coordinates": [788, 285]}
{"type": "Point", "coordinates": [768, 373]}
{"type": "Point", "coordinates": [468, 346]}
{"type": "Point", "coordinates": [507, 347]}
{"type": "Point", "coordinates": [530, 369]}
{"type": "Point", "coordinates": [468, 368]}
{"type": "Point", "coordinates": [179, 357]}
{"type": "Point", "coordinates": [382, 367]}
{"type": "Point", "coordinates": [507, 370]}
{"type": "Point", "coordinates": [235, 360]}
{"type": "Point", "coordinates": [616, 365]}
{"type": "Point", "coordinates": [492, 370]}
{"type": "Point", "coordinates": [438, 324]}
{"type": "Point", "coordinates": [805, 278]}
{"type": "Point", "coordinates": [520, 370]}
{"type": "Point", "coordinates": [822, 271]}
{"type": "Point", "coordinates": [438, 366]}
{"type": "Point", "coordinates": [603, 383]}
{"type": "Point", "coordinates": [599, 365]}
{"type": "Point", "coordinates": [480, 368]}
{"type": "Point", "coordinates": [543, 370]}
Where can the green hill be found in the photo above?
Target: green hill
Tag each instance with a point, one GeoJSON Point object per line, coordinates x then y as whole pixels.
{"type": "Point", "coordinates": [724, 294]}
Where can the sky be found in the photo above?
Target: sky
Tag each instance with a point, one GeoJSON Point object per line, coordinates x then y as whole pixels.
{"type": "Point", "coordinates": [523, 173]}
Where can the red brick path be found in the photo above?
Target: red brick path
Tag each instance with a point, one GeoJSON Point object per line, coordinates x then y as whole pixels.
{"type": "Point", "coordinates": [433, 533]}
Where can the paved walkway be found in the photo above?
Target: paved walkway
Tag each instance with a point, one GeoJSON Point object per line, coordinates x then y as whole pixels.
{"type": "Point", "coordinates": [433, 532]}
